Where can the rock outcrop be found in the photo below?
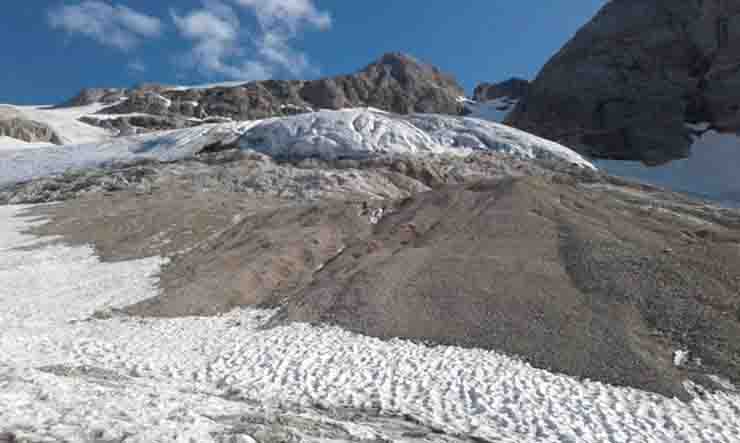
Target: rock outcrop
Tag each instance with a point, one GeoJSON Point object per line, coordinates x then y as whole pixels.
{"type": "Point", "coordinates": [396, 83]}
{"type": "Point", "coordinates": [626, 85]}
{"type": "Point", "coordinates": [15, 125]}
{"type": "Point", "coordinates": [89, 96]}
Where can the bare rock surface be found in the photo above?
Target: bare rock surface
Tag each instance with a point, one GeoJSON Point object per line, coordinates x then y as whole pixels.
{"type": "Point", "coordinates": [626, 85]}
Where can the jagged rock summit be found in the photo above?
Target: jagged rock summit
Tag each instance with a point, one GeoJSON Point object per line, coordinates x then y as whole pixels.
{"type": "Point", "coordinates": [396, 83]}
{"type": "Point", "coordinates": [628, 83]}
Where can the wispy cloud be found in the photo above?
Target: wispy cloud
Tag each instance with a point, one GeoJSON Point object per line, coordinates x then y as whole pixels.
{"type": "Point", "coordinates": [223, 46]}
{"type": "Point", "coordinates": [136, 66]}
{"type": "Point", "coordinates": [113, 25]}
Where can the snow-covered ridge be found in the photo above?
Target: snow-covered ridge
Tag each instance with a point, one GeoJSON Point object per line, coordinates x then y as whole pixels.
{"type": "Point", "coordinates": [324, 134]}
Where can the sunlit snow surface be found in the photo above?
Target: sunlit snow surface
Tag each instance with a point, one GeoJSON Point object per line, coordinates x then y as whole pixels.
{"type": "Point", "coordinates": [325, 134]}
{"type": "Point", "coordinates": [168, 380]}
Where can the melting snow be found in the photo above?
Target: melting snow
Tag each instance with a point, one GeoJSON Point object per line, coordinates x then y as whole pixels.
{"type": "Point", "coordinates": [162, 380]}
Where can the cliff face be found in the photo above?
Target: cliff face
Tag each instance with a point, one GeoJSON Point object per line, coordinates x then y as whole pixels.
{"type": "Point", "coordinates": [626, 85]}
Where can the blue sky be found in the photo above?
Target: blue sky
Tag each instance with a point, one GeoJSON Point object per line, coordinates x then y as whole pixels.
{"type": "Point", "coordinates": [54, 48]}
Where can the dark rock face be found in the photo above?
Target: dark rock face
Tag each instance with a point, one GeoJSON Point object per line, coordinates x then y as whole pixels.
{"type": "Point", "coordinates": [626, 84]}
{"type": "Point", "coordinates": [28, 131]}
{"type": "Point", "coordinates": [515, 88]}
{"type": "Point", "coordinates": [396, 83]}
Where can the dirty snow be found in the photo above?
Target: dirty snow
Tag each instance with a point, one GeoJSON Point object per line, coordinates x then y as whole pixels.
{"type": "Point", "coordinates": [325, 134]}
{"type": "Point", "coordinates": [167, 380]}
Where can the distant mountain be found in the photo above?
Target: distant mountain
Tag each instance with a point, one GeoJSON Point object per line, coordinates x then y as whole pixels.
{"type": "Point", "coordinates": [396, 83]}
{"type": "Point", "coordinates": [628, 83]}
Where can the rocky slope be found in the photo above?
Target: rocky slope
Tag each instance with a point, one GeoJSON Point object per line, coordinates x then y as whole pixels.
{"type": "Point", "coordinates": [631, 79]}
{"type": "Point", "coordinates": [395, 83]}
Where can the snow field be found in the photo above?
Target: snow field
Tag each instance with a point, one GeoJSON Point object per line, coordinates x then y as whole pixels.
{"type": "Point", "coordinates": [160, 380]}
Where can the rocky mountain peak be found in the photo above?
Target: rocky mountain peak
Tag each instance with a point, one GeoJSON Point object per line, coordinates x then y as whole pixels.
{"type": "Point", "coordinates": [409, 71]}
{"type": "Point", "coordinates": [396, 82]}
{"type": "Point", "coordinates": [630, 80]}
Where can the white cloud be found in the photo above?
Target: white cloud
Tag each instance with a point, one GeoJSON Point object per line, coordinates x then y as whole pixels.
{"type": "Point", "coordinates": [223, 47]}
{"type": "Point", "coordinates": [215, 31]}
{"type": "Point", "coordinates": [112, 25]}
{"type": "Point", "coordinates": [288, 13]}
{"type": "Point", "coordinates": [136, 66]}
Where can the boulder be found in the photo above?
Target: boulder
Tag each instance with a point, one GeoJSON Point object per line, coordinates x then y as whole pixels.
{"type": "Point", "coordinates": [89, 96]}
